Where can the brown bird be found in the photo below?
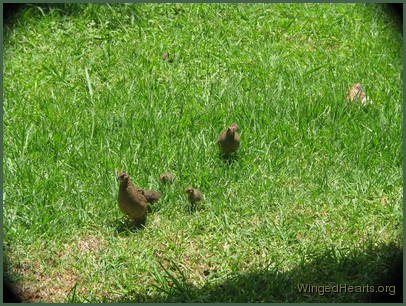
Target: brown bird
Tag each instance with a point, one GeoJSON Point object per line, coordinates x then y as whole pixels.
{"type": "Point", "coordinates": [151, 195]}
{"type": "Point", "coordinates": [131, 199]}
{"type": "Point", "coordinates": [168, 56]}
{"type": "Point", "coordinates": [355, 92]}
{"type": "Point", "coordinates": [229, 139]}
{"type": "Point", "coordinates": [167, 177]}
{"type": "Point", "coordinates": [194, 195]}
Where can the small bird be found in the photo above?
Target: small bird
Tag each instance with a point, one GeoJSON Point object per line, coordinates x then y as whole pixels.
{"type": "Point", "coordinates": [355, 92]}
{"type": "Point", "coordinates": [194, 195]}
{"type": "Point", "coordinates": [168, 56]}
{"type": "Point", "coordinates": [131, 199]}
{"type": "Point", "coordinates": [151, 195]}
{"type": "Point", "coordinates": [167, 177]}
{"type": "Point", "coordinates": [229, 139]}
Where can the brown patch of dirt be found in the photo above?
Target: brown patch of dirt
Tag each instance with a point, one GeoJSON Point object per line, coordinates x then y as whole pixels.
{"type": "Point", "coordinates": [156, 221]}
{"type": "Point", "coordinates": [47, 288]}
{"type": "Point", "coordinates": [90, 243]}
{"type": "Point", "coordinates": [47, 285]}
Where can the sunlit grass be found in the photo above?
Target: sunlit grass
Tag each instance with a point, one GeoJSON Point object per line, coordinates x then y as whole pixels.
{"type": "Point", "coordinates": [87, 93]}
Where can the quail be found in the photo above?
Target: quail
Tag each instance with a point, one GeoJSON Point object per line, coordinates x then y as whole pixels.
{"type": "Point", "coordinates": [166, 177]}
{"type": "Point", "coordinates": [355, 92]}
{"type": "Point", "coordinates": [229, 139]}
{"type": "Point", "coordinates": [151, 195]}
{"type": "Point", "coordinates": [194, 195]}
{"type": "Point", "coordinates": [131, 199]}
{"type": "Point", "coordinates": [168, 56]}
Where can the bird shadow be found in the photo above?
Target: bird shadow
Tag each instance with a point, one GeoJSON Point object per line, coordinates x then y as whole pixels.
{"type": "Point", "coordinates": [191, 208]}
{"type": "Point", "coordinates": [229, 159]}
{"type": "Point", "coordinates": [155, 207]}
{"type": "Point", "coordinates": [126, 226]}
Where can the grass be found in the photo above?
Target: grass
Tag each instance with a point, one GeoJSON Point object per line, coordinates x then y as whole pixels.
{"type": "Point", "coordinates": [315, 195]}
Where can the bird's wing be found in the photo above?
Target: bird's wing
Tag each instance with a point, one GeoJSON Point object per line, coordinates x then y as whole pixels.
{"type": "Point", "coordinates": [136, 194]}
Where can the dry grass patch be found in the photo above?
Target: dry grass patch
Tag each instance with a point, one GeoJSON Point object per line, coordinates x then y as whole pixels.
{"type": "Point", "coordinates": [54, 278]}
{"type": "Point", "coordinates": [90, 243]}
{"type": "Point", "coordinates": [47, 286]}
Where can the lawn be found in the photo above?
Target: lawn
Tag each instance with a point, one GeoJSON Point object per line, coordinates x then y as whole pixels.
{"type": "Point", "coordinates": [313, 196]}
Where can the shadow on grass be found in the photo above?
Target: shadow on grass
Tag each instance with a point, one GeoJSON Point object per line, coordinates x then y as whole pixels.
{"type": "Point", "coordinates": [154, 207]}
{"type": "Point", "coordinates": [368, 266]}
{"type": "Point", "coordinates": [395, 10]}
{"type": "Point", "coordinates": [192, 208]}
{"type": "Point", "coordinates": [229, 159]}
{"type": "Point", "coordinates": [14, 11]}
{"type": "Point", "coordinates": [126, 226]}
{"type": "Point", "coordinates": [9, 291]}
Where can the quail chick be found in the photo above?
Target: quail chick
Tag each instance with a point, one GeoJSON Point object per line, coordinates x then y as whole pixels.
{"type": "Point", "coordinates": [166, 177]}
{"type": "Point", "coordinates": [194, 195]}
{"type": "Point", "coordinates": [229, 139]}
{"type": "Point", "coordinates": [131, 199]}
{"type": "Point", "coordinates": [355, 92]}
{"type": "Point", "coordinates": [168, 56]}
{"type": "Point", "coordinates": [151, 195]}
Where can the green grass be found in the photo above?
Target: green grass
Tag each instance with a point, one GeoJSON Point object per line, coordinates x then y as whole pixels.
{"type": "Point", "coordinates": [315, 195]}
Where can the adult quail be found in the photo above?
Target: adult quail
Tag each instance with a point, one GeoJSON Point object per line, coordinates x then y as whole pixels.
{"type": "Point", "coordinates": [166, 177]}
{"type": "Point", "coordinates": [131, 199]}
{"type": "Point", "coordinates": [194, 195]}
{"type": "Point", "coordinates": [229, 139]}
{"type": "Point", "coordinates": [151, 195]}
